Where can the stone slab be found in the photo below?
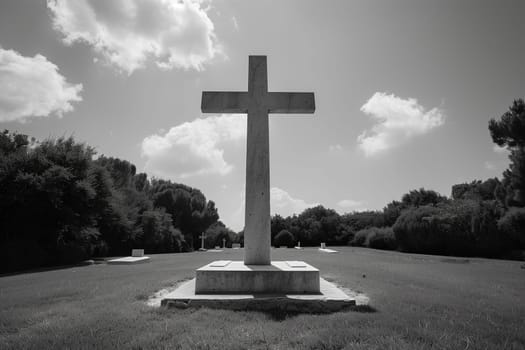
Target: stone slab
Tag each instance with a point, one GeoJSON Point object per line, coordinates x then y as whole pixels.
{"type": "Point", "coordinates": [236, 277]}
{"type": "Point", "coordinates": [129, 260]}
{"type": "Point", "coordinates": [327, 250]}
{"type": "Point", "coordinates": [220, 263]}
{"type": "Point", "coordinates": [329, 299]}
{"type": "Point", "coordinates": [296, 263]}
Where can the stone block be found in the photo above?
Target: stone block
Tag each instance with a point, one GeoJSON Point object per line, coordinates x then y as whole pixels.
{"type": "Point", "coordinates": [137, 253]}
{"type": "Point", "coordinates": [236, 277]}
{"type": "Point", "coordinates": [129, 260]}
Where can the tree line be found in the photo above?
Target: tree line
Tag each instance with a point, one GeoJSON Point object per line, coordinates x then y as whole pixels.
{"type": "Point", "coordinates": [481, 218]}
{"type": "Point", "coordinates": [60, 204]}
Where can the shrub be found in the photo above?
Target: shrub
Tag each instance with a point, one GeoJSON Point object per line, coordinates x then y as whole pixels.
{"type": "Point", "coordinates": [33, 255]}
{"type": "Point", "coordinates": [375, 237]}
{"type": "Point", "coordinates": [359, 239]}
{"type": "Point", "coordinates": [437, 230]}
{"type": "Point", "coordinates": [460, 227]}
{"type": "Point", "coordinates": [284, 238]}
{"type": "Point", "coordinates": [382, 238]}
{"type": "Point", "coordinates": [72, 252]}
{"type": "Point", "coordinates": [159, 235]}
{"type": "Point", "coordinates": [512, 224]}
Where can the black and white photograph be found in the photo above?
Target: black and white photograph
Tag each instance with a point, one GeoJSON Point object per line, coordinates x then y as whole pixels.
{"type": "Point", "coordinates": [262, 174]}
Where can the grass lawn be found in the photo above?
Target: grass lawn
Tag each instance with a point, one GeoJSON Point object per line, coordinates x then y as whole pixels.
{"type": "Point", "coordinates": [420, 301]}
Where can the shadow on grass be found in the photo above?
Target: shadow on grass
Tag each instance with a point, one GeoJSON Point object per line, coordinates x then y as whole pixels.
{"type": "Point", "coordinates": [455, 261]}
{"type": "Point", "coordinates": [53, 267]}
{"type": "Point", "coordinates": [273, 313]}
{"type": "Point", "coordinates": [281, 315]}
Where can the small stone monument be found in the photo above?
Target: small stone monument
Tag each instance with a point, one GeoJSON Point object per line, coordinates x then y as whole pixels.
{"type": "Point", "coordinates": [202, 237]}
{"type": "Point", "coordinates": [137, 253]}
{"type": "Point", "coordinates": [137, 256]}
{"type": "Point", "coordinates": [326, 250]}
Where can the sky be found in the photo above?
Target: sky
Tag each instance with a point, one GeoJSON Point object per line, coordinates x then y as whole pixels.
{"type": "Point", "coordinates": [404, 90]}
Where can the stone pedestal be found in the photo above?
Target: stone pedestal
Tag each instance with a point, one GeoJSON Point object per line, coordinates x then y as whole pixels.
{"type": "Point", "coordinates": [281, 277]}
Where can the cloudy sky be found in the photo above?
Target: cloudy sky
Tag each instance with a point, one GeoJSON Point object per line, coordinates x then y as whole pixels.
{"type": "Point", "coordinates": [404, 90]}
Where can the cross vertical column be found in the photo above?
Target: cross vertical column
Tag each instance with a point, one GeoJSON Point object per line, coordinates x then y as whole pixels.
{"type": "Point", "coordinates": [258, 103]}
{"type": "Point", "coordinates": [257, 212]}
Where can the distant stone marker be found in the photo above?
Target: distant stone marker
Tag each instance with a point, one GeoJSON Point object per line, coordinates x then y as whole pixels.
{"type": "Point", "coordinates": [202, 237]}
{"type": "Point", "coordinates": [258, 103]}
{"type": "Point", "coordinates": [326, 250]}
{"type": "Point", "coordinates": [137, 256]}
{"type": "Point", "coordinates": [137, 253]}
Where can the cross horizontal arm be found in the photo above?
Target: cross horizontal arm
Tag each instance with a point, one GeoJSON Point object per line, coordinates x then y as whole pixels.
{"type": "Point", "coordinates": [291, 102]}
{"type": "Point", "coordinates": [224, 102]}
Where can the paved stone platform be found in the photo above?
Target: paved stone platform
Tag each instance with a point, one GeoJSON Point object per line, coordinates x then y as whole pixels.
{"type": "Point", "coordinates": [129, 260]}
{"type": "Point", "coordinates": [329, 299]}
{"type": "Point", "coordinates": [327, 250]}
{"type": "Point", "coordinates": [234, 277]}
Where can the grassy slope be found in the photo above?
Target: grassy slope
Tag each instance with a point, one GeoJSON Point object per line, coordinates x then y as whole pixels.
{"type": "Point", "coordinates": [421, 302]}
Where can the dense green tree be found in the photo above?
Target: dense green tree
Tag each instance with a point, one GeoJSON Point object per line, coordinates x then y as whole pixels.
{"type": "Point", "coordinates": [59, 205]}
{"type": "Point", "coordinates": [364, 219]}
{"type": "Point", "coordinates": [374, 237]}
{"type": "Point", "coordinates": [278, 223]}
{"type": "Point", "coordinates": [460, 227]}
{"type": "Point", "coordinates": [215, 234]}
{"type": "Point", "coordinates": [477, 190]}
{"type": "Point", "coordinates": [320, 224]}
{"type": "Point", "coordinates": [284, 239]}
{"type": "Point", "coordinates": [509, 132]}
{"type": "Point", "coordinates": [191, 213]}
{"type": "Point", "coordinates": [46, 197]}
{"type": "Point", "coordinates": [158, 233]}
{"type": "Point", "coordinates": [512, 224]}
{"type": "Point", "coordinates": [392, 211]}
{"type": "Point", "coordinates": [417, 198]}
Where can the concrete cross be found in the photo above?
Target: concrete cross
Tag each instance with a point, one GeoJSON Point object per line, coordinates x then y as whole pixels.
{"type": "Point", "coordinates": [202, 237]}
{"type": "Point", "coordinates": [258, 103]}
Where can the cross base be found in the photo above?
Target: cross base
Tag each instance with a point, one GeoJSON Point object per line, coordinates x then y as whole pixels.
{"type": "Point", "coordinates": [330, 299]}
{"type": "Point", "coordinates": [229, 277]}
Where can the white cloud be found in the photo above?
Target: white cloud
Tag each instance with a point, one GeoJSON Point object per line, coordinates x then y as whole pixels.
{"type": "Point", "coordinates": [285, 205]}
{"type": "Point", "coordinates": [235, 23]}
{"type": "Point", "coordinates": [32, 87]}
{"type": "Point", "coordinates": [280, 203]}
{"type": "Point", "coordinates": [335, 148]}
{"type": "Point", "coordinates": [397, 120]}
{"type": "Point", "coordinates": [499, 149]}
{"type": "Point", "coordinates": [129, 32]}
{"type": "Point", "coordinates": [193, 148]}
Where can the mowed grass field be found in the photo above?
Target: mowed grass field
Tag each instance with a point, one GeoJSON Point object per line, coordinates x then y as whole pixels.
{"type": "Point", "coordinates": [418, 302]}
